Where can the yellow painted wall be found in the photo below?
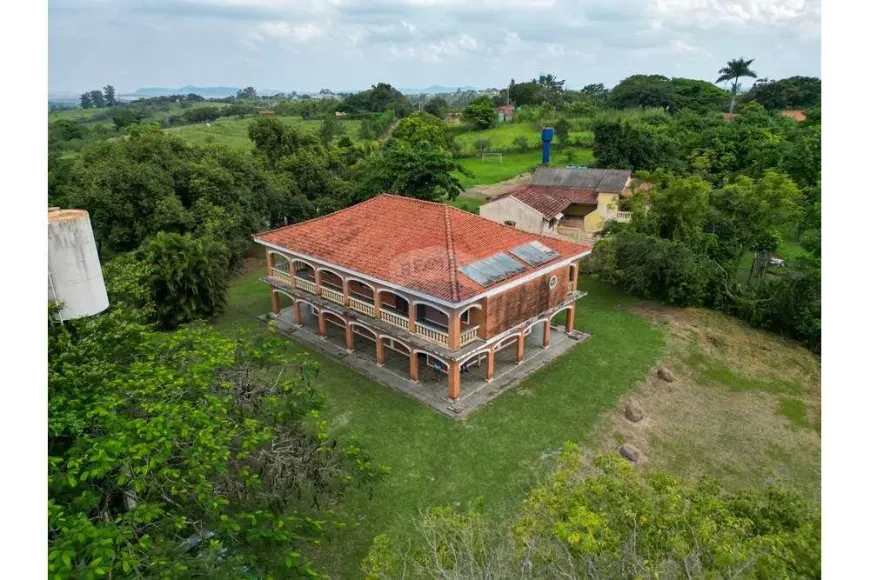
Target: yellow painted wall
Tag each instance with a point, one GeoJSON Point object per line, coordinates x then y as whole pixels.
{"type": "Point", "coordinates": [608, 203]}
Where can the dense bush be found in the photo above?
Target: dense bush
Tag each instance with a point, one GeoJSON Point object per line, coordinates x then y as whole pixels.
{"type": "Point", "coordinates": [187, 277]}
{"type": "Point", "coordinates": [612, 521]}
{"type": "Point", "coordinates": [652, 267]}
{"type": "Point", "coordinates": [186, 454]}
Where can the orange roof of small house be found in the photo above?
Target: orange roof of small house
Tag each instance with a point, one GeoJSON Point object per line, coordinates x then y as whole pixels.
{"type": "Point", "coordinates": [415, 244]}
{"type": "Point", "coordinates": [796, 114]}
{"type": "Point", "coordinates": [550, 201]}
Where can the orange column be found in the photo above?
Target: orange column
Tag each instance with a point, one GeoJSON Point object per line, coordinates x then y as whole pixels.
{"type": "Point", "coordinates": [297, 312]}
{"type": "Point", "coordinates": [521, 347]}
{"type": "Point", "coordinates": [454, 328]}
{"type": "Point", "coordinates": [348, 336]}
{"type": "Point", "coordinates": [270, 263]}
{"type": "Point", "coordinates": [377, 298]}
{"type": "Point", "coordinates": [490, 364]}
{"type": "Point", "coordinates": [292, 267]}
{"type": "Point", "coordinates": [345, 288]}
{"type": "Point", "coordinates": [414, 370]}
{"type": "Point", "coordinates": [317, 281]}
{"type": "Point", "coordinates": [321, 322]}
{"type": "Point", "coordinates": [547, 326]}
{"type": "Point", "coordinates": [453, 380]}
{"type": "Point", "coordinates": [412, 318]}
{"type": "Point", "coordinates": [379, 351]}
{"type": "Point", "coordinates": [276, 304]}
{"type": "Point", "coordinates": [569, 323]}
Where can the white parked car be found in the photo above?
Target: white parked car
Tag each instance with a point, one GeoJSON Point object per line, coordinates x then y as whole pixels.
{"type": "Point", "coordinates": [776, 262]}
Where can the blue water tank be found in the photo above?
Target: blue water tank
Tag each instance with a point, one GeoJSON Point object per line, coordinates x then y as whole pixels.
{"type": "Point", "coordinates": [547, 137]}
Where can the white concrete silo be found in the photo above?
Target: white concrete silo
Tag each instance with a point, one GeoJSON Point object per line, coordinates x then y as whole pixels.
{"type": "Point", "coordinates": [75, 280]}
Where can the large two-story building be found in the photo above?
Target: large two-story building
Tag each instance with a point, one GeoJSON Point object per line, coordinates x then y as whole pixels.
{"type": "Point", "coordinates": [427, 281]}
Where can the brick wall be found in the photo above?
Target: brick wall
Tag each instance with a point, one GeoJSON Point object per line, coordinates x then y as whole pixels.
{"type": "Point", "coordinates": [509, 308]}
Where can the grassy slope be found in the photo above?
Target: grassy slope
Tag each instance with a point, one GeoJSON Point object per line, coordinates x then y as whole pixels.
{"type": "Point", "coordinates": [512, 164]}
{"type": "Point", "coordinates": [233, 132]}
{"type": "Point", "coordinates": [503, 135]}
{"type": "Point", "coordinates": [493, 455]}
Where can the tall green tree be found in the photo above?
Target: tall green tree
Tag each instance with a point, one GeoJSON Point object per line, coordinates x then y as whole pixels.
{"type": "Point", "coordinates": [734, 71]}
{"type": "Point", "coordinates": [480, 113]}
{"type": "Point", "coordinates": [421, 171]}
{"type": "Point", "coordinates": [186, 454]}
{"type": "Point", "coordinates": [422, 126]}
{"type": "Point", "coordinates": [97, 99]}
{"type": "Point", "coordinates": [85, 100]}
{"type": "Point", "coordinates": [109, 95]}
{"type": "Point", "coordinates": [436, 106]}
{"type": "Point", "coordinates": [187, 277]}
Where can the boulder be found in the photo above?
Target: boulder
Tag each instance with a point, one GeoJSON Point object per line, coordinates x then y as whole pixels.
{"type": "Point", "coordinates": [630, 452]}
{"type": "Point", "coordinates": [665, 374]}
{"type": "Point", "coordinates": [633, 411]}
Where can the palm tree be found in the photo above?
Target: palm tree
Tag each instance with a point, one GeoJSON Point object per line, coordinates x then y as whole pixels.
{"type": "Point", "coordinates": [733, 71]}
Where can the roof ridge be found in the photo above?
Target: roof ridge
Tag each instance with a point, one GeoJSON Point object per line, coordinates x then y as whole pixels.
{"type": "Point", "coordinates": [451, 256]}
{"type": "Point", "coordinates": [320, 217]}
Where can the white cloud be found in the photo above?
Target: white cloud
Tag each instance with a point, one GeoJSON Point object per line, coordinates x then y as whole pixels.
{"type": "Point", "coordinates": [283, 29]}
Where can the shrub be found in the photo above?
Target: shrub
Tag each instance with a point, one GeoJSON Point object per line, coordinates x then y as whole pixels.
{"type": "Point", "coordinates": [187, 277]}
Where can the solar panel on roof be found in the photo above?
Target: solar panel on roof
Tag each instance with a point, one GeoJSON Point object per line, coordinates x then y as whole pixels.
{"type": "Point", "coordinates": [535, 253]}
{"type": "Point", "coordinates": [492, 269]}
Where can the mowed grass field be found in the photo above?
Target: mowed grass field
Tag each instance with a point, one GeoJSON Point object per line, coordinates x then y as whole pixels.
{"type": "Point", "coordinates": [504, 134]}
{"type": "Point", "coordinates": [497, 453]}
{"type": "Point", "coordinates": [745, 407]}
{"type": "Point", "coordinates": [233, 132]}
{"type": "Point", "coordinates": [491, 170]}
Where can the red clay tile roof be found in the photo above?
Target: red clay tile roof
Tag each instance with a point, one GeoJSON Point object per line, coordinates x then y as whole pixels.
{"type": "Point", "coordinates": [549, 200]}
{"type": "Point", "coordinates": [420, 245]}
{"type": "Point", "coordinates": [796, 114]}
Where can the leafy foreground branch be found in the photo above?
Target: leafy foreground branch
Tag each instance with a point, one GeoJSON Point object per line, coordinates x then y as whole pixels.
{"type": "Point", "coordinates": [187, 454]}
{"type": "Point", "coordinates": [610, 521]}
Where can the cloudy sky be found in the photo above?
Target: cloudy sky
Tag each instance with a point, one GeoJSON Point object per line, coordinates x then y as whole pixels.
{"type": "Point", "coordinates": [351, 44]}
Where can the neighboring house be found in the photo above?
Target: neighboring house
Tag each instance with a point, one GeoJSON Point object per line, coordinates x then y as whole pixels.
{"type": "Point", "coordinates": [572, 201]}
{"type": "Point", "coordinates": [505, 113]}
{"type": "Point", "coordinates": [423, 281]}
{"type": "Point", "coordinates": [796, 114]}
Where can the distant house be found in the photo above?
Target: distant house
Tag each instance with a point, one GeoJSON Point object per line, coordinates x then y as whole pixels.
{"type": "Point", "coordinates": [340, 114]}
{"type": "Point", "coordinates": [571, 201]}
{"type": "Point", "coordinates": [267, 112]}
{"type": "Point", "coordinates": [796, 114]}
{"type": "Point", "coordinates": [505, 113]}
{"type": "Point", "coordinates": [454, 117]}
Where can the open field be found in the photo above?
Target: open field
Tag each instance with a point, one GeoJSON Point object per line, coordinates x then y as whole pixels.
{"type": "Point", "coordinates": [494, 455]}
{"type": "Point", "coordinates": [233, 132]}
{"type": "Point", "coordinates": [503, 135]}
{"type": "Point", "coordinates": [745, 406]}
{"type": "Point", "coordinates": [512, 164]}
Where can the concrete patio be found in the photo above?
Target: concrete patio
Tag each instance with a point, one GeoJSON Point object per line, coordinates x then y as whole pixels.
{"type": "Point", "coordinates": [431, 389]}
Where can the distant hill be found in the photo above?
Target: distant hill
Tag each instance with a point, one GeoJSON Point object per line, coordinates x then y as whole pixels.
{"type": "Point", "coordinates": [185, 90]}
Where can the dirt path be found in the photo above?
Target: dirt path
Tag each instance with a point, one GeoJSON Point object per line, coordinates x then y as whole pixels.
{"type": "Point", "coordinates": [490, 190]}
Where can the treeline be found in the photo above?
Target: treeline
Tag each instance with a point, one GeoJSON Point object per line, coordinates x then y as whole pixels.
{"type": "Point", "coordinates": [727, 196]}
{"type": "Point", "coordinates": [99, 98]}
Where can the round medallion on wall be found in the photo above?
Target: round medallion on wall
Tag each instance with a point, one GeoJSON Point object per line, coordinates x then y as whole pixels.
{"type": "Point", "coordinates": [553, 282]}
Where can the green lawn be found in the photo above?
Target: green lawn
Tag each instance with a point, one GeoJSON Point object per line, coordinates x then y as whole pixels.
{"type": "Point", "coordinates": [512, 164]}
{"type": "Point", "coordinates": [233, 132]}
{"type": "Point", "coordinates": [471, 204]}
{"type": "Point", "coordinates": [494, 455]}
{"type": "Point", "coordinates": [503, 135]}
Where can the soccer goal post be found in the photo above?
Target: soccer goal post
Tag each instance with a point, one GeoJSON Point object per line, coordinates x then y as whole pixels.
{"type": "Point", "coordinates": [491, 157]}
